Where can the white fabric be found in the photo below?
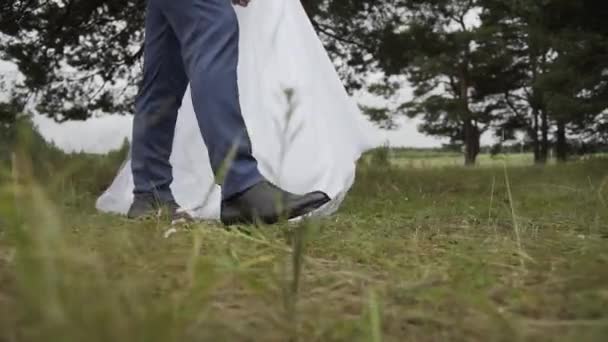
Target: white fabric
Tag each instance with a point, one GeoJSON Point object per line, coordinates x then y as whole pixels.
{"type": "Point", "coordinates": [314, 148]}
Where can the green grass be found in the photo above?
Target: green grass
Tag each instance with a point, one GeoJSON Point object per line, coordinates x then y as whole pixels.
{"type": "Point", "coordinates": [415, 254]}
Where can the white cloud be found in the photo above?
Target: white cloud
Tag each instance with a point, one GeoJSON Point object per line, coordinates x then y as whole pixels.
{"type": "Point", "coordinates": [406, 135]}
{"type": "Point", "coordinates": [103, 134]}
{"type": "Point", "coordinates": [9, 75]}
{"type": "Point", "coordinates": [96, 135]}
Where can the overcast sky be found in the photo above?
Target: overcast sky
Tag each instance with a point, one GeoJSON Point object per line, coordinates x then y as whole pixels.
{"type": "Point", "coordinates": [99, 135]}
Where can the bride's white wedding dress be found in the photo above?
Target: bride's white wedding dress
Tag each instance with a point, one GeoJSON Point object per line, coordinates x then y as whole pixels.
{"type": "Point", "coordinates": [309, 143]}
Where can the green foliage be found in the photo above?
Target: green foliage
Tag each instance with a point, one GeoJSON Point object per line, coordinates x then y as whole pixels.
{"type": "Point", "coordinates": [380, 157]}
{"type": "Point", "coordinates": [76, 56]}
{"type": "Point", "coordinates": [535, 67]}
{"type": "Point", "coordinates": [83, 174]}
{"type": "Point", "coordinates": [8, 119]}
{"type": "Point", "coordinates": [563, 79]}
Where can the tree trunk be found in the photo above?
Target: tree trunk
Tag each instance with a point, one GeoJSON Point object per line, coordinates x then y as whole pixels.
{"type": "Point", "coordinates": [541, 146]}
{"type": "Point", "coordinates": [561, 147]}
{"type": "Point", "coordinates": [544, 147]}
{"type": "Point", "coordinates": [470, 130]}
{"type": "Point", "coordinates": [535, 140]}
{"type": "Point", "coordinates": [471, 143]}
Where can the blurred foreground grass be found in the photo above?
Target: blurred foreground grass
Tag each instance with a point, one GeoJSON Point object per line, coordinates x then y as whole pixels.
{"type": "Point", "coordinates": [416, 253]}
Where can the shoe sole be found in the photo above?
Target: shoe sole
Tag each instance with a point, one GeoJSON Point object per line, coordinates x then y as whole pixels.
{"type": "Point", "coordinates": [308, 210]}
{"type": "Point", "coordinates": [302, 212]}
{"type": "Point", "coordinates": [309, 214]}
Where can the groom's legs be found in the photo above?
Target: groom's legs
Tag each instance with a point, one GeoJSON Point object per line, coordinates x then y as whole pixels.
{"type": "Point", "coordinates": [160, 96]}
{"type": "Point", "coordinates": [208, 34]}
{"type": "Point", "coordinates": [162, 89]}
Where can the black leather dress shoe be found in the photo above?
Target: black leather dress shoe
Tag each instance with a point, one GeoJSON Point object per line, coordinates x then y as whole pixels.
{"type": "Point", "coordinates": [267, 203]}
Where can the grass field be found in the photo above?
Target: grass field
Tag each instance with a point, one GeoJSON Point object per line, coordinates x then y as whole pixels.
{"type": "Point", "coordinates": [417, 253]}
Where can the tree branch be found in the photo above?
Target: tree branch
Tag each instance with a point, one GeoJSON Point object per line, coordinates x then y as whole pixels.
{"type": "Point", "coordinates": [326, 31]}
{"type": "Point", "coordinates": [511, 104]}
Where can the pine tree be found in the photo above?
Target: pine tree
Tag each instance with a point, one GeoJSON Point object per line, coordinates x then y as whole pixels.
{"type": "Point", "coordinates": [78, 57]}
{"type": "Point", "coordinates": [560, 68]}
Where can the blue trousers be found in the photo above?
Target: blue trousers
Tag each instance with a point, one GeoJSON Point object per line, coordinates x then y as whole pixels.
{"type": "Point", "coordinates": [196, 42]}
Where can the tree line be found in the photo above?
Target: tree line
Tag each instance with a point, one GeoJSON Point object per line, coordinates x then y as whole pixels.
{"type": "Point", "coordinates": [535, 67]}
{"type": "Point", "coordinates": [538, 68]}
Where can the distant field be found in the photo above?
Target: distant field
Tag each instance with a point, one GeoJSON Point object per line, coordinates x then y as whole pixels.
{"type": "Point", "coordinates": [450, 160]}
{"type": "Point", "coordinates": [438, 159]}
{"type": "Point", "coordinates": [419, 252]}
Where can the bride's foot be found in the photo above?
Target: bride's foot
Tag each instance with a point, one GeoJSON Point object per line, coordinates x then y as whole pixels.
{"type": "Point", "coordinates": [268, 204]}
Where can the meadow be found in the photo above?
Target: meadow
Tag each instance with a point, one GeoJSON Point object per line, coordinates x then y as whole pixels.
{"type": "Point", "coordinates": [422, 250]}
